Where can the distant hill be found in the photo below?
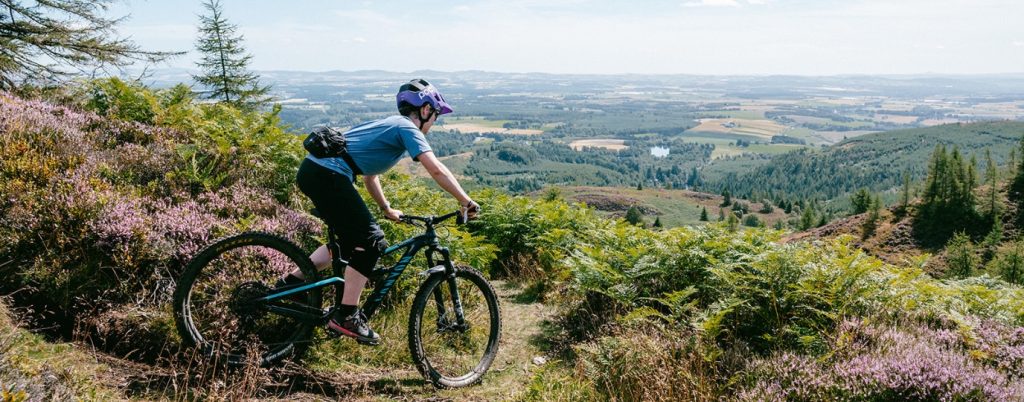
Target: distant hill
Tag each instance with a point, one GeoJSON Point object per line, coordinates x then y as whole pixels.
{"type": "Point", "coordinates": [875, 161]}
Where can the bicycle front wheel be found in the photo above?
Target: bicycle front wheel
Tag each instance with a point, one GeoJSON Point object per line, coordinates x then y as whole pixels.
{"type": "Point", "coordinates": [217, 301]}
{"type": "Point", "coordinates": [454, 328]}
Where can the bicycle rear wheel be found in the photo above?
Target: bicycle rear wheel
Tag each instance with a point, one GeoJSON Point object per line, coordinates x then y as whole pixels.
{"type": "Point", "coordinates": [216, 307]}
{"type": "Point", "coordinates": [450, 352]}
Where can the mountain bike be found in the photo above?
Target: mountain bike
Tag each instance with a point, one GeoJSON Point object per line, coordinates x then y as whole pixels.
{"type": "Point", "coordinates": [225, 304]}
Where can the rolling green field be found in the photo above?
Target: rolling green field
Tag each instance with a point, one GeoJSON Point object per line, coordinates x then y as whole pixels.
{"type": "Point", "coordinates": [674, 207]}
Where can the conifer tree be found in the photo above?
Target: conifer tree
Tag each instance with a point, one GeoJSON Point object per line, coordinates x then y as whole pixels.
{"type": "Point", "coordinates": [992, 203]}
{"type": "Point", "coordinates": [657, 222]}
{"type": "Point", "coordinates": [905, 194]}
{"type": "Point", "coordinates": [871, 223]}
{"type": "Point", "coordinates": [1015, 192]}
{"type": "Point", "coordinates": [993, 238]}
{"type": "Point", "coordinates": [807, 218]}
{"type": "Point", "coordinates": [704, 214]}
{"type": "Point", "coordinates": [633, 216]}
{"type": "Point", "coordinates": [224, 61]}
{"type": "Point", "coordinates": [948, 202]}
{"type": "Point", "coordinates": [1010, 266]}
{"type": "Point", "coordinates": [1011, 164]}
{"type": "Point", "coordinates": [861, 201]}
{"type": "Point", "coordinates": [732, 222]}
{"type": "Point", "coordinates": [727, 198]}
{"type": "Point", "coordinates": [46, 42]}
{"type": "Point", "coordinates": [960, 256]}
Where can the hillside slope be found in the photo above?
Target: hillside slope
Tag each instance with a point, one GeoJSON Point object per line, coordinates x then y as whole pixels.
{"type": "Point", "coordinates": [876, 161]}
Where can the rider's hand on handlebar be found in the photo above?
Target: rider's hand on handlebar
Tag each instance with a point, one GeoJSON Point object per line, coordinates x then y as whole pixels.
{"type": "Point", "coordinates": [393, 214]}
{"type": "Point", "coordinates": [470, 211]}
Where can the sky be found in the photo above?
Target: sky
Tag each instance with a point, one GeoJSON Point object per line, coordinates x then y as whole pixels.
{"type": "Point", "coordinates": [718, 37]}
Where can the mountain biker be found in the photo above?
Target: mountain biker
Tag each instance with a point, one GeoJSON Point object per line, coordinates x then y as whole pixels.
{"type": "Point", "coordinates": [374, 148]}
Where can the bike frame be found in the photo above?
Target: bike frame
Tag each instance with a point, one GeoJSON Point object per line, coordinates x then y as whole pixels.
{"type": "Point", "coordinates": [428, 241]}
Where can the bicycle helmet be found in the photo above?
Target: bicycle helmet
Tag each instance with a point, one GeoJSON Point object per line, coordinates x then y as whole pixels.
{"type": "Point", "coordinates": [419, 91]}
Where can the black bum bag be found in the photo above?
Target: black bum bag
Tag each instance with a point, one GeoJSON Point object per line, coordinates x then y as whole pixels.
{"type": "Point", "coordinates": [328, 142]}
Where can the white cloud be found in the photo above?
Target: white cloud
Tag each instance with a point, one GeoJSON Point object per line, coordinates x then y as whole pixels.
{"type": "Point", "coordinates": [712, 3]}
{"type": "Point", "coordinates": [1018, 43]}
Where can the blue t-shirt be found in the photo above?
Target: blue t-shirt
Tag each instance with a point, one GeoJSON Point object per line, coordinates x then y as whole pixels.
{"type": "Point", "coordinates": [378, 145]}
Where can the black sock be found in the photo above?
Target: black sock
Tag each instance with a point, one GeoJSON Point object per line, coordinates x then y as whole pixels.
{"type": "Point", "coordinates": [344, 311]}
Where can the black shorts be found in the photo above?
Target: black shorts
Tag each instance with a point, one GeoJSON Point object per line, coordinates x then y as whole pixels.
{"type": "Point", "coordinates": [340, 205]}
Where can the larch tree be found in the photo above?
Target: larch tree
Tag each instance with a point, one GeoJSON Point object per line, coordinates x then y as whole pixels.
{"type": "Point", "coordinates": [224, 62]}
{"type": "Point", "coordinates": [47, 42]}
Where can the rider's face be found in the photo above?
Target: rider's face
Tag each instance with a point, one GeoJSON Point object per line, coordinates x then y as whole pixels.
{"type": "Point", "coordinates": [431, 114]}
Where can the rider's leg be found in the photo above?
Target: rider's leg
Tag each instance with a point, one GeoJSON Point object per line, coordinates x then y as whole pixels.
{"type": "Point", "coordinates": [354, 284]}
{"type": "Point", "coordinates": [321, 259]}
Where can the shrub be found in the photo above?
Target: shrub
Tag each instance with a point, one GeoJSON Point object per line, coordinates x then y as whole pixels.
{"type": "Point", "coordinates": [1009, 263]}
{"type": "Point", "coordinates": [961, 257]}
{"type": "Point", "coordinates": [639, 367]}
{"type": "Point", "coordinates": [872, 362]}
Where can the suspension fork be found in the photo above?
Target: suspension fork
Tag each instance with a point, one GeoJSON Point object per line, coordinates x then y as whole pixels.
{"type": "Point", "coordinates": [443, 321]}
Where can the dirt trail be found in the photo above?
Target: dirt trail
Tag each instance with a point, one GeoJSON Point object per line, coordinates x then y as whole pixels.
{"type": "Point", "coordinates": [508, 376]}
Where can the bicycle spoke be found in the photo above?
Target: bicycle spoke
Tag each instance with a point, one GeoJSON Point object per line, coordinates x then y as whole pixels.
{"type": "Point", "coordinates": [455, 346]}
{"type": "Point", "coordinates": [225, 315]}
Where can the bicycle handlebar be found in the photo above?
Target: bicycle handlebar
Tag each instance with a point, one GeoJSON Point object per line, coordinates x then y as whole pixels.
{"type": "Point", "coordinates": [432, 220]}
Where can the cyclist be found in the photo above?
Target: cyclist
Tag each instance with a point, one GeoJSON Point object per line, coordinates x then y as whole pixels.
{"type": "Point", "coordinates": [373, 147]}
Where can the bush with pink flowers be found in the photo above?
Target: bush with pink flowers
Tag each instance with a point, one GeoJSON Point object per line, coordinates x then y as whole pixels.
{"type": "Point", "coordinates": [101, 212]}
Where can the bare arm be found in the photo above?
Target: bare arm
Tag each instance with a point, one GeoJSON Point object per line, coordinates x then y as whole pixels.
{"type": "Point", "coordinates": [444, 177]}
{"type": "Point", "coordinates": [372, 184]}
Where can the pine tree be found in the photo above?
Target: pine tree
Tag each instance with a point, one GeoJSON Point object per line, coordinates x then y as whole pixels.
{"type": "Point", "coordinates": [807, 219]}
{"type": "Point", "coordinates": [1010, 266]}
{"type": "Point", "coordinates": [657, 222]}
{"type": "Point", "coordinates": [721, 214]}
{"type": "Point", "coordinates": [703, 214]}
{"type": "Point", "coordinates": [960, 256]}
{"type": "Point", "coordinates": [861, 201]}
{"type": "Point", "coordinates": [640, 186]}
{"type": "Point", "coordinates": [727, 198]}
{"type": "Point", "coordinates": [993, 206]}
{"type": "Point", "coordinates": [948, 202]}
{"type": "Point", "coordinates": [1015, 192]}
{"type": "Point", "coordinates": [224, 61]}
{"type": "Point", "coordinates": [905, 194]}
{"type": "Point", "coordinates": [46, 42]}
{"type": "Point", "coordinates": [633, 216]}
{"type": "Point", "coordinates": [871, 223]}
{"type": "Point", "coordinates": [732, 223]}
{"type": "Point", "coordinates": [1011, 164]}
{"type": "Point", "coordinates": [993, 238]}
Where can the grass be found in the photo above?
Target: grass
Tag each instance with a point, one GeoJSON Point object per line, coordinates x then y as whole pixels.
{"type": "Point", "coordinates": [37, 369]}
{"type": "Point", "coordinates": [763, 129]}
{"type": "Point", "coordinates": [676, 207]}
{"type": "Point", "coordinates": [477, 121]}
{"type": "Point", "coordinates": [727, 147]}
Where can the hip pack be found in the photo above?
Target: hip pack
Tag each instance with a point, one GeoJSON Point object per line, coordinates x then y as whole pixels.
{"type": "Point", "coordinates": [327, 142]}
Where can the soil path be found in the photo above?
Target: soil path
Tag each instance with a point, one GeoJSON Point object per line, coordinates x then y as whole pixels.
{"type": "Point", "coordinates": [517, 356]}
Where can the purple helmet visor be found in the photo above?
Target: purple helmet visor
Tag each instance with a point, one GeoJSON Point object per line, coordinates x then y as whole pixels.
{"type": "Point", "coordinates": [427, 95]}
